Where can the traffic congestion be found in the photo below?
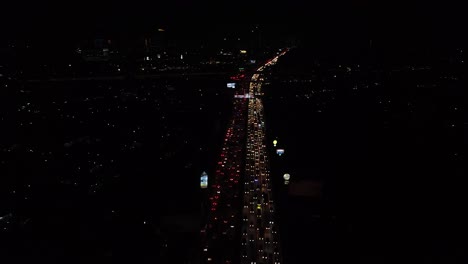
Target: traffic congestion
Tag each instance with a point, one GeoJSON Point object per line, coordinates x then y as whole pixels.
{"type": "Point", "coordinates": [254, 224]}
{"type": "Point", "coordinates": [260, 238]}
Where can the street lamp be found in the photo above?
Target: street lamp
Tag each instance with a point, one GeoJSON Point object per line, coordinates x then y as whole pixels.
{"type": "Point", "coordinates": [286, 178]}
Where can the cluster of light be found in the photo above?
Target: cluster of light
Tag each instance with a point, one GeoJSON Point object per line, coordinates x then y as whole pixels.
{"type": "Point", "coordinates": [256, 169]}
{"type": "Point", "coordinates": [243, 96]}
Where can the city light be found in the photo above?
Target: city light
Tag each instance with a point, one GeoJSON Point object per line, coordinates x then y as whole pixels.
{"type": "Point", "coordinates": [125, 115]}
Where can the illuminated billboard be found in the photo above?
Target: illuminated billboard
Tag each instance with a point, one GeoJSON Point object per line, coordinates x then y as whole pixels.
{"type": "Point", "coordinates": [204, 180]}
{"type": "Point", "coordinates": [231, 85]}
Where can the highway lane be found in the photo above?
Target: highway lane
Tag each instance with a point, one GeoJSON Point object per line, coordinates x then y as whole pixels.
{"type": "Point", "coordinates": [260, 238]}
{"type": "Point", "coordinates": [221, 234]}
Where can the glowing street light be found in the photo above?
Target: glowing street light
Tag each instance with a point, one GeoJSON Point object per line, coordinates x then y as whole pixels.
{"type": "Point", "coordinates": [286, 178]}
{"type": "Point", "coordinates": [275, 142]}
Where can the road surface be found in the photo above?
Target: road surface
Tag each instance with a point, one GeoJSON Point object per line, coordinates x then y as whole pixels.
{"type": "Point", "coordinates": [236, 214]}
{"type": "Point", "coordinates": [260, 238]}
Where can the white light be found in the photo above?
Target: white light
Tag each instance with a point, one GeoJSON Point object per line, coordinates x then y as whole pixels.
{"type": "Point", "coordinates": [286, 176]}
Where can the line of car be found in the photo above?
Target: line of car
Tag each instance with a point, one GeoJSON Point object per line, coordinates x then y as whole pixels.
{"type": "Point", "coordinates": [260, 241]}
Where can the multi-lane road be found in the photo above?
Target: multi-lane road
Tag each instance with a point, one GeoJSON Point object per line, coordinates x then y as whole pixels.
{"type": "Point", "coordinates": [260, 238]}
{"type": "Point", "coordinates": [254, 224]}
{"type": "Point", "coordinates": [221, 233]}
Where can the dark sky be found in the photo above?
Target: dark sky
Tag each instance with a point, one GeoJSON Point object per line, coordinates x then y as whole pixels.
{"type": "Point", "coordinates": [331, 20]}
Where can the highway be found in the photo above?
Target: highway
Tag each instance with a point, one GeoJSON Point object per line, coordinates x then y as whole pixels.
{"type": "Point", "coordinates": [260, 239]}
{"type": "Point", "coordinates": [221, 234]}
{"type": "Point", "coordinates": [240, 225]}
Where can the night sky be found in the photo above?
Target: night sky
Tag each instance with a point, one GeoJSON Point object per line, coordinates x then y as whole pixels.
{"type": "Point", "coordinates": [335, 20]}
